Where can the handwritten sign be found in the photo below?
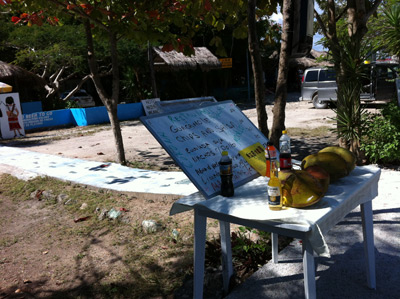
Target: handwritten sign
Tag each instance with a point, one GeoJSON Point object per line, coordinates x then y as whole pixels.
{"type": "Point", "coordinates": [150, 106]}
{"type": "Point", "coordinates": [195, 139]}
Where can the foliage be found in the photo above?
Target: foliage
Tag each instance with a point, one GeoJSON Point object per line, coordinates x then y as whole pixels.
{"type": "Point", "coordinates": [349, 116]}
{"type": "Point", "coordinates": [72, 104]}
{"type": "Point", "coordinates": [388, 27]}
{"type": "Point", "coordinates": [48, 47]}
{"type": "Point", "coordinates": [251, 249]}
{"type": "Point", "coordinates": [381, 138]}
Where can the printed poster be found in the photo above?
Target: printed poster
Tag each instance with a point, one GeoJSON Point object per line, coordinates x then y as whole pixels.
{"type": "Point", "coordinates": [11, 120]}
{"type": "Point", "coordinates": [255, 156]}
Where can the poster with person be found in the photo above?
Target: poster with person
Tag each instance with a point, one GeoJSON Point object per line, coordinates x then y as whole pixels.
{"type": "Point", "coordinates": [11, 120]}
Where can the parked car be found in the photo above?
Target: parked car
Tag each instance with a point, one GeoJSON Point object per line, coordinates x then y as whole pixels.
{"type": "Point", "coordinates": [319, 84]}
{"type": "Point", "coordinates": [81, 98]}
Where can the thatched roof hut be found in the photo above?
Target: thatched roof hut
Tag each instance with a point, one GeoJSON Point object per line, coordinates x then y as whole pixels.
{"type": "Point", "coordinates": [176, 61]}
{"type": "Point", "coordinates": [309, 61]}
{"type": "Point", "coordinates": [304, 62]}
{"type": "Point", "coordinates": [29, 85]}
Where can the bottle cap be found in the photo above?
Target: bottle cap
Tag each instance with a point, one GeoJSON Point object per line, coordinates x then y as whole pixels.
{"type": "Point", "coordinates": [284, 132]}
{"type": "Point", "coordinates": [225, 153]}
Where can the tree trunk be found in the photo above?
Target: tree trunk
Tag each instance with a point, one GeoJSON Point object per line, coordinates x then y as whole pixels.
{"type": "Point", "coordinates": [111, 103]}
{"type": "Point", "coordinates": [112, 112]}
{"type": "Point", "coordinates": [281, 85]}
{"type": "Point", "coordinates": [152, 73]}
{"type": "Point", "coordinates": [255, 56]}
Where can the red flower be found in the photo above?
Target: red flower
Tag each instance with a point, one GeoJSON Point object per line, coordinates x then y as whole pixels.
{"type": "Point", "coordinates": [15, 19]}
{"type": "Point", "coordinates": [167, 48]}
{"type": "Point", "coordinates": [153, 13]}
{"type": "Point", "coordinates": [87, 8]}
{"type": "Point", "coordinates": [207, 5]}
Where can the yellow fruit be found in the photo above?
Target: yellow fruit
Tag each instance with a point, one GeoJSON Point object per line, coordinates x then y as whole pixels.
{"type": "Point", "coordinates": [300, 189]}
{"type": "Point", "coordinates": [321, 175]}
{"type": "Point", "coordinates": [335, 165]}
{"type": "Point", "coordinates": [347, 155]}
{"type": "Point", "coordinates": [286, 177]}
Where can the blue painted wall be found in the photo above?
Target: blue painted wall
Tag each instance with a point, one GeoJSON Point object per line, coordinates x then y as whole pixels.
{"type": "Point", "coordinates": [48, 119]}
{"type": "Point", "coordinates": [31, 107]}
{"type": "Point", "coordinates": [99, 115]}
{"type": "Point", "coordinates": [130, 111]}
{"type": "Point", "coordinates": [80, 116]}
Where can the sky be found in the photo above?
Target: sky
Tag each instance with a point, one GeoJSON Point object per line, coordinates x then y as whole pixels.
{"type": "Point", "coordinates": [278, 18]}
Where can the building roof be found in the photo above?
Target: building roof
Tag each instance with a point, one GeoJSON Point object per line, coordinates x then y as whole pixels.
{"type": "Point", "coordinates": [8, 71]}
{"type": "Point", "coordinates": [177, 61]}
{"type": "Point", "coordinates": [29, 85]}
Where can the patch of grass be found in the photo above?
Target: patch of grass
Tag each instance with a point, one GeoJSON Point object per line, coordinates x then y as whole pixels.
{"type": "Point", "coordinates": [314, 132]}
{"type": "Point", "coordinates": [8, 241]}
{"type": "Point", "coordinates": [155, 262]}
{"type": "Point", "coordinates": [142, 265]}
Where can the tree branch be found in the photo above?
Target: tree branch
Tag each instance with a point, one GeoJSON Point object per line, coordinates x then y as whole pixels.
{"type": "Point", "coordinates": [373, 9]}
{"type": "Point", "coordinates": [342, 13]}
{"type": "Point", "coordinates": [321, 25]}
{"type": "Point", "coordinates": [78, 86]}
{"type": "Point", "coordinates": [78, 11]}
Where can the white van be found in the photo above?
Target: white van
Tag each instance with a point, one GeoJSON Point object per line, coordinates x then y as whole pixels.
{"type": "Point", "coordinates": [319, 84]}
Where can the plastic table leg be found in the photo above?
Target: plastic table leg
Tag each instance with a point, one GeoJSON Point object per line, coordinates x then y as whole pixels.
{"type": "Point", "coordinates": [226, 248]}
{"type": "Point", "coordinates": [309, 269]}
{"type": "Point", "coordinates": [274, 239]}
{"type": "Point", "coordinates": [368, 234]}
{"type": "Point", "coordinates": [200, 224]}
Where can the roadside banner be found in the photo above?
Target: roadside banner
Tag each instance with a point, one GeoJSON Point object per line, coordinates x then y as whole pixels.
{"type": "Point", "coordinates": [11, 122]}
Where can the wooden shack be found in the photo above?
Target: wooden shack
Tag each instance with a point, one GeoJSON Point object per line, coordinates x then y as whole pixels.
{"type": "Point", "coordinates": [184, 70]}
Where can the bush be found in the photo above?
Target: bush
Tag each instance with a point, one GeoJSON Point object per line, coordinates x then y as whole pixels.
{"type": "Point", "coordinates": [381, 135]}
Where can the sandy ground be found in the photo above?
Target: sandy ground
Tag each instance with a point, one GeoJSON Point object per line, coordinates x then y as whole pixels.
{"type": "Point", "coordinates": [97, 142]}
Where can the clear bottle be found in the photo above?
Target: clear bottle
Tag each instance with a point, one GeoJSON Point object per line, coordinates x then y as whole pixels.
{"type": "Point", "coordinates": [274, 189]}
{"type": "Point", "coordinates": [225, 171]}
{"type": "Point", "coordinates": [270, 154]}
{"type": "Point", "coordinates": [285, 154]}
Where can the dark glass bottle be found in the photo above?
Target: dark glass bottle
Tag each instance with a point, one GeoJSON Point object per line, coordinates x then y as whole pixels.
{"type": "Point", "coordinates": [225, 171]}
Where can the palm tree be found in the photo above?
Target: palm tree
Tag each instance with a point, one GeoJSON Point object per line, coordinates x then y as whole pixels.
{"type": "Point", "coordinates": [389, 37]}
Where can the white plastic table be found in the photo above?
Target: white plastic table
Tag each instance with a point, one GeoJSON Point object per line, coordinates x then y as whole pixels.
{"type": "Point", "coordinates": [249, 208]}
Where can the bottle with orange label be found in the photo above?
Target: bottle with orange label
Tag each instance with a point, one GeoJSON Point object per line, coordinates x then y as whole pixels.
{"type": "Point", "coordinates": [270, 154]}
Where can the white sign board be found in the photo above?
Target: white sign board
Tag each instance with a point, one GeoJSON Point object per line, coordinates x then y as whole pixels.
{"type": "Point", "coordinates": [12, 125]}
{"type": "Point", "coordinates": [195, 139]}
